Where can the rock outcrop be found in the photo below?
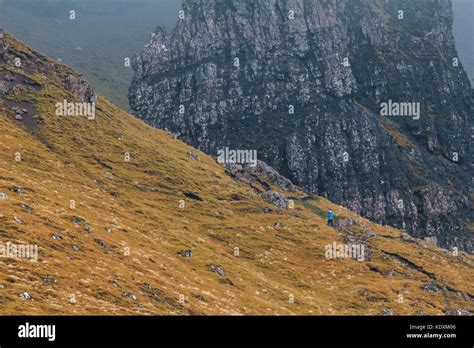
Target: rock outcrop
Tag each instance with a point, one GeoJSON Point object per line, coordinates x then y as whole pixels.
{"type": "Point", "coordinates": [304, 83]}
{"type": "Point", "coordinates": [3, 44]}
{"type": "Point", "coordinates": [71, 81]}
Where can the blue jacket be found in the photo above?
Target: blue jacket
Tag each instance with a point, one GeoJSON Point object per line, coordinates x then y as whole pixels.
{"type": "Point", "coordinates": [330, 215]}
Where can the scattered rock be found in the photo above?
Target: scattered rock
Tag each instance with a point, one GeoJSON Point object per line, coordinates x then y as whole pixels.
{"type": "Point", "coordinates": [194, 156]}
{"type": "Point", "coordinates": [76, 248]}
{"type": "Point", "coordinates": [185, 253]}
{"type": "Point", "coordinates": [353, 237]}
{"type": "Point", "coordinates": [103, 164]}
{"type": "Point", "coordinates": [49, 280]}
{"type": "Point", "coordinates": [25, 208]}
{"type": "Point", "coordinates": [235, 197]}
{"type": "Point", "coordinates": [216, 269]}
{"type": "Point", "coordinates": [18, 220]}
{"type": "Point", "coordinates": [276, 198]}
{"type": "Point", "coordinates": [193, 196]}
{"type": "Point", "coordinates": [18, 110]}
{"type": "Point", "coordinates": [18, 190]}
{"type": "Point", "coordinates": [38, 119]}
{"type": "Point", "coordinates": [26, 296]}
{"type": "Point", "coordinates": [153, 293]}
{"type": "Point", "coordinates": [457, 312]}
{"type": "Point", "coordinates": [200, 298]}
{"type": "Point", "coordinates": [226, 281]}
{"type": "Point", "coordinates": [232, 167]}
{"type": "Point", "coordinates": [3, 195]}
{"type": "Point", "coordinates": [56, 236]}
{"type": "Point", "coordinates": [78, 221]}
{"type": "Point", "coordinates": [344, 222]}
{"type": "Point", "coordinates": [431, 287]}
{"type": "Point", "coordinates": [102, 245]}
{"type": "Point", "coordinates": [129, 295]}
{"type": "Point", "coordinates": [387, 312]}
{"type": "Point", "coordinates": [18, 117]}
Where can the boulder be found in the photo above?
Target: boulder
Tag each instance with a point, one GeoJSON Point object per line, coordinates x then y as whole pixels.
{"type": "Point", "coordinates": [276, 198]}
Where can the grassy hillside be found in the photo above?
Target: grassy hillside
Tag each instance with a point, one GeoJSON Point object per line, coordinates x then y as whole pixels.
{"type": "Point", "coordinates": [116, 251]}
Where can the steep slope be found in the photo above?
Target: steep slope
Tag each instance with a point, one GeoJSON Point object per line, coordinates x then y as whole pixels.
{"type": "Point", "coordinates": [303, 83]}
{"type": "Point", "coordinates": [115, 250]}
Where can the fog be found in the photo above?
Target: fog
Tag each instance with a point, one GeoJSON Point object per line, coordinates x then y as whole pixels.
{"type": "Point", "coordinates": [464, 33]}
{"type": "Point", "coordinates": [96, 42]}
{"type": "Point", "coordinates": [105, 32]}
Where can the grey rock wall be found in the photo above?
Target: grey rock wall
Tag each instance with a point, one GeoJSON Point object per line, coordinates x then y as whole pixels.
{"type": "Point", "coordinates": [302, 82]}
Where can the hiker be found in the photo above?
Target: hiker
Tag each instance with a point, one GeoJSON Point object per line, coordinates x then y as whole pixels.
{"type": "Point", "coordinates": [330, 218]}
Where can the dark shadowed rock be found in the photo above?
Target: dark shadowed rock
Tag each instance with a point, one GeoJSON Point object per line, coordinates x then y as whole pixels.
{"type": "Point", "coordinates": [264, 171]}
{"type": "Point", "coordinates": [3, 44]}
{"type": "Point", "coordinates": [80, 88]}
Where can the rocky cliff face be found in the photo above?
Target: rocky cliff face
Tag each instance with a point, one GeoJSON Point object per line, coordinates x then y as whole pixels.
{"type": "Point", "coordinates": [304, 83]}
